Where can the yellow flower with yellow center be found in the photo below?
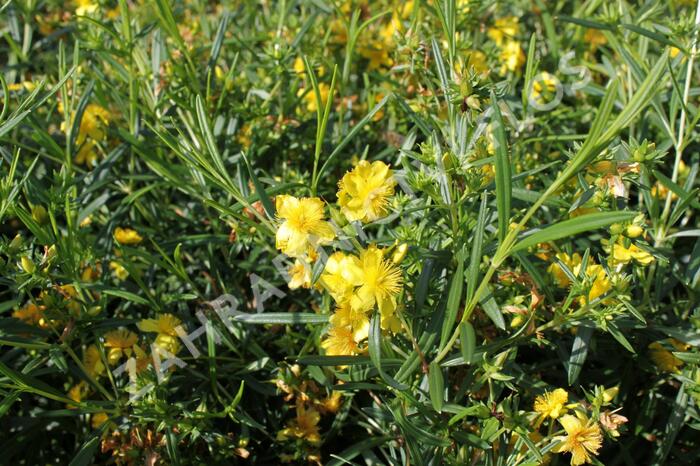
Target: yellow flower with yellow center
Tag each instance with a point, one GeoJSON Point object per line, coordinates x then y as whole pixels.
{"type": "Point", "coordinates": [380, 283]}
{"type": "Point", "coordinates": [475, 60]}
{"type": "Point", "coordinates": [598, 280]}
{"type": "Point", "coordinates": [127, 236]}
{"type": "Point", "coordinates": [164, 325]}
{"type": "Point", "coordinates": [77, 393]}
{"type": "Point", "coordinates": [119, 270]}
{"type": "Point", "coordinates": [31, 314]}
{"type": "Point", "coordinates": [119, 343]}
{"type": "Point", "coordinates": [512, 57]}
{"type": "Point", "coordinates": [504, 29]}
{"type": "Point", "coordinates": [624, 255]}
{"type": "Point", "coordinates": [98, 419]}
{"type": "Point", "coordinates": [551, 404]}
{"type": "Point", "coordinates": [332, 403]}
{"type": "Point", "coordinates": [356, 320]}
{"type": "Point", "coordinates": [298, 66]}
{"type": "Point", "coordinates": [545, 85]}
{"type": "Point", "coordinates": [594, 38]}
{"type": "Point", "coordinates": [28, 86]}
{"type": "Point", "coordinates": [663, 358]}
{"type": "Point", "coordinates": [365, 191]}
{"type": "Point", "coordinates": [304, 426]}
{"type": "Point", "coordinates": [340, 341]}
{"type": "Point", "coordinates": [558, 274]}
{"type": "Point", "coordinates": [85, 7]}
{"type": "Point", "coordinates": [92, 130]}
{"type": "Point", "coordinates": [342, 273]}
{"type": "Point", "coordinates": [309, 96]}
{"type": "Point", "coordinates": [583, 438]}
{"type": "Point", "coordinates": [303, 225]}
{"type": "Point", "coordinates": [93, 362]}
{"type": "Point", "coordinates": [299, 275]}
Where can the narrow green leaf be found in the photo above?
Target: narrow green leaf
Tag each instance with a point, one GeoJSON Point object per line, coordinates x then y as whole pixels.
{"type": "Point", "coordinates": [375, 351]}
{"type": "Point", "coordinates": [504, 189]}
{"type": "Point", "coordinates": [348, 454]}
{"type": "Point", "coordinates": [31, 384]}
{"type": "Point", "coordinates": [87, 451]}
{"type": "Point", "coordinates": [285, 318]}
{"type": "Point", "coordinates": [467, 340]}
{"type": "Point", "coordinates": [620, 337]}
{"type": "Point", "coordinates": [454, 298]}
{"type": "Point", "coordinates": [571, 227]}
{"type": "Point", "coordinates": [436, 384]}
{"type": "Point", "coordinates": [579, 352]}
{"type": "Point", "coordinates": [492, 310]}
{"type": "Point", "coordinates": [129, 296]}
{"type": "Point", "coordinates": [477, 244]}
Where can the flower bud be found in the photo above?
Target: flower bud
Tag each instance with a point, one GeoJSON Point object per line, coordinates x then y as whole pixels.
{"type": "Point", "coordinates": [616, 229]}
{"type": "Point", "coordinates": [39, 214]}
{"type": "Point", "coordinates": [610, 394]}
{"type": "Point", "coordinates": [634, 231]}
{"type": "Point", "coordinates": [27, 264]}
{"type": "Point", "coordinates": [399, 253]}
{"type": "Point", "coordinates": [15, 244]}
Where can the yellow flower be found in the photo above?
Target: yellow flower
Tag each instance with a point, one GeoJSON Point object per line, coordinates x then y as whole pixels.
{"type": "Point", "coordinates": [623, 255]}
{"type": "Point", "coordinates": [377, 47]}
{"type": "Point", "coordinates": [31, 314]}
{"type": "Point", "coordinates": [583, 438]}
{"type": "Point", "coordinates": [299, 66]}
{"type": "Point", "coordinates": [511, 56]}
{"type": "Point", "coordinates": [310, 96]}
{"type": "Point", "coordinates": [91, 272]}
{"type": "Point", "coordinates": [98, 419]}
{"type": "Point", "coordinates": [380, 283]}
{"type": "Point", "coordinates": [119, 343]}
{"type": "Point", "coordinates": [93, 362]}
{"type": "Point", "coordinates": [504, 29]}
{"type": "Point", "coordinates": [85, 7]}
{"type": "Point", "coordinates": [303, 227]}
{"type": "Point", "coordinates": [365, 191]}
{"type": "Point", "coordinates": [561, 278]}
{"type": "Point", "coordinates": [127, 236]}
{"type": "Point", "coordinates": [546, 85]}
{"type": "Point", "coordinates": [341, 275]}
{"type": "Point", "coordinates": [299, 275]}
{"type": "Point", "coordinates": [340, 341]}
{"type": "Point", "coordinates": [119, 270]}
{"type": "Point", "coordinates": [551, 404]}
{"type": "Point", "coordinates": [92, 130]}
{"type": "Point", "coordinates": [331, 404]}
{"type": "Point", "coordinates": [304, 426]}
{"type": "Point", "coordinates": [598, 279]}
{"type": "Point", "coordinates": [26, 85]}
{"type": "Point", "coordinates": [474, 59]}
{"type": "Point", "coordinates": [663, 358]}
{"type": "Point", "coordinates": [594, 38]}
{"type": "Point", "coordinates": [77, 393]}
{"type": "Point", "coordinates": [356, 320]}
{"type": "Point", "coordinates": [164, 325]}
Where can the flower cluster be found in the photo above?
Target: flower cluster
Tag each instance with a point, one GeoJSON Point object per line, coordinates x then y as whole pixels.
{"type": "Point", "coordinates": [360, 282]}
{"type": "Point", "coordinates": [582, 435]}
